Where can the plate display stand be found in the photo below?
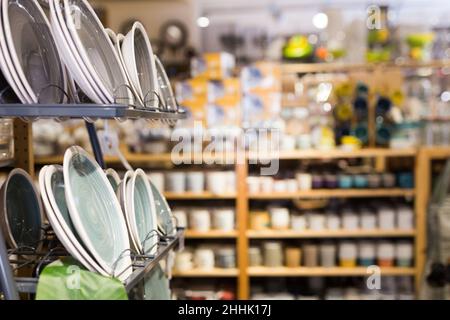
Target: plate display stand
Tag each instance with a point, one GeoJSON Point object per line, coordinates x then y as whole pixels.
{"type": "Point", "coordinates": [24, 115]}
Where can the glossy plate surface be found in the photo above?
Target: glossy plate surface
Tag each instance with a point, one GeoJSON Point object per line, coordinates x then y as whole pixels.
{"type": "Point", "coordinates": [96, 213]}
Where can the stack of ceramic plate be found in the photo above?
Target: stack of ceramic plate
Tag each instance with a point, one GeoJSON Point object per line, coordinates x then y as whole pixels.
{"type": "Point", "coordinates": [29, 58]}
{"type": "Point", "coordinates": [85, 214]}
{"type": "Point", "coordinates": [138, 205]}
{"type": "Point", "coordinates": [87, 52]}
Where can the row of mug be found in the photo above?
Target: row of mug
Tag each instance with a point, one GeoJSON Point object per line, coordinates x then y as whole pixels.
{"type": "Point", "coordinates": [385, 217]}
{"type": "Point", "coordinates": [344, 254]}
{"type": "Point", "coordinates": [203, 220]}
{"type": "Point", "coordinates": [206, 258]}
{"type": "Point", "coordinates": [216, 182]}
{"type": "Point", "coordinates": [316, 288]}
{"type": "Point", "coordinates": [307, 181]}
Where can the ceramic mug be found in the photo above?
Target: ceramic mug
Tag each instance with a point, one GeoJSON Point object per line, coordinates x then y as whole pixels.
{"type": "Point", "coordinates": [204, 258]}
{"type": "Point", "coordinates": [304, 181]}
{"type": "Point", "coordinates": [405, 218]}
{"type": "Point", "coordinates": [176, 182]}
{"type": "Point", "coordinates": [367, 253]}
{"type": "Point", "coordinates": [195, 181]}
{"type": "Point", "coordinates": [253, 185]}
{"type": "Point", "coordinates": [157, 178]}
{"type": "Point", "coordinates": [200, 220]}
{"type": "Point", "coordinates": [216, 182]}
{"type": "Point", "coordinates": [298, 222]}
{"type": "Point", "coordinates": [223, 219]}
{"type": "Point", "coordinates": [279, 218]}
{"type": "Point", "coordinates": [385, 254]}
{"type": "Point", "coordinates": [316, 221]}
{"type": "Point", "coordinates": [347, 254]}
{"type": "Point", "coordinates": [386, 218]}
{"type": "Point", "coordinates": [333, 221]}
{"type": "Point", "coordinates": [404, 254]}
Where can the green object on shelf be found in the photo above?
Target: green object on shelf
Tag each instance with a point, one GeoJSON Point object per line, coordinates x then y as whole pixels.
{"type": "Point", "coordinates": [298, 47]}
{"type": "Point", "coordinates": [67, 280]}
{"type": "Point", "coordinates": [157, 285]}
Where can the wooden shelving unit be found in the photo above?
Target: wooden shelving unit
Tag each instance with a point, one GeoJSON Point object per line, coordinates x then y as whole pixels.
{"type": "Point", "coordinates": [336, 154]}
{"type": "Point", "coordinates": [308, 234]}
{"type": "Point", "coordinates": [200, 196]}
{"type": "Point", "coordinates": [325, 272]}
{"type": "Point", "coordinates": [336, 193]}
{"type": "Point", "coordinates": [212, 234]}
{"type": "Point", "coordinates": [207, 273]}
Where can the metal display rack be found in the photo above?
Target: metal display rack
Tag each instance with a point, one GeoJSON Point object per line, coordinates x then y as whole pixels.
{"type": "Point", "coordinates": [24, 114]}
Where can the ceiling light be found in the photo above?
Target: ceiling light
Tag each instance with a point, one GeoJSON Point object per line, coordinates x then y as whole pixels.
{"type": "Point", "coordinates": [320, 20]}
{"type": "Point", "coordinates": [203, 22]}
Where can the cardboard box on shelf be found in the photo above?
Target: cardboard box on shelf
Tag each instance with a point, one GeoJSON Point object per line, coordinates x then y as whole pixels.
{"type": "Point", "coordinates": [260, 106]}
{"type": "Point", "coordinates": [224, 91]}
{"type": "Point", "coordinates": [213, 66]}
{"type": "Point", "coordinates": [261, 77]}
{"type": "Point", "coordinates": [191, 90]}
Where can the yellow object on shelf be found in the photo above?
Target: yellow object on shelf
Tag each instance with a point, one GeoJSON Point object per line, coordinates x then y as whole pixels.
{"type": "Point", "coordinates": [259, 220]}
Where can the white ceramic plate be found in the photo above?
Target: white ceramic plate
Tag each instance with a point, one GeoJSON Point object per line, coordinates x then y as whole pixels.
{"type": "Point", "coordinates": [70, 56]}
{"type": "Point", "coordinates": [95, 213]}
{"type": "Point", "coordinates": [143, 211]}
{"type": "Point", "coordinates": [136, 96]}
{"type": "Point", "coordinates": [60, 222]}
{"type": "Point", "coordinates": [96, 50]}
{"type": "Point", "coordinates": [113, 178]}
{"type": "Point", "coordinates": [165, 88]}
{"type": "Point", "coordinates": [33, 51]}
{"type": "Point", "coordinates": [122, 195]}
{"type": "Point", "coordinates": [139, 61]}
{"type": "Point", "coordinates": [8, 70]}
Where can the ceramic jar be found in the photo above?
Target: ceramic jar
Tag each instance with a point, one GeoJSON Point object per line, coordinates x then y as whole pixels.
{"type": "Point", "coordinates": [200, 220]}
{"type": "Point", "coordinates": [347, 254]}
{"type": "Point", "coordinates": [386, 218]}
{"type": "Point", "coordinates": [204, 258]}
{"type": "Point", "coordinates": [279, 218]}
{"type": "Point", "coordinates": [298, 222]}
{"type": "Point", "coordinates": [316, 221]}
{"type": "Point", "coordinates": [273, 254]}
{"type": "Point", "coordinates": [328, 255]}
{"type": "Point", "coordinates": [367, 253]}
{"type": "Point", "coordinates": [223, 219]}
{"type": "Point", "coordinates": [195, 181]}
{"type": "Point", "coordinates": [404, 254]}
{"type": "Point", "coordinates": [176, 182]}
{"type": "Point", "coordinates": [385, 254]}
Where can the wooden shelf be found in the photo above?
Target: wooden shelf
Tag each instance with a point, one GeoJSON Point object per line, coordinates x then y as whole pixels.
{"type": "Point", "coordinates": [212, 234]}
{"type": "Point", "coordinates": [325, 272]}
{"type": "Point", "coordinates": [289, 68]}
{"type": "Point", "coordinates": [308, 234]}
{"type": "Point", "coordinates": [207, 273]}
{"type": "Point", "coordinates": [337, 193]}
{"type": "Point", "coordinates": [337, 154]}
{"type": "Point", "coordinates": [194, 158]}
{"type": "Point", "coordinates": [437, 152]}
{"type": "Point", "coordinates": [195, 196]}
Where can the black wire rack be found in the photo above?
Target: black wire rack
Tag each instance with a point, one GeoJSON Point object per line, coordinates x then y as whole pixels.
{"type": "Point", "coordinates": [143, 264]}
